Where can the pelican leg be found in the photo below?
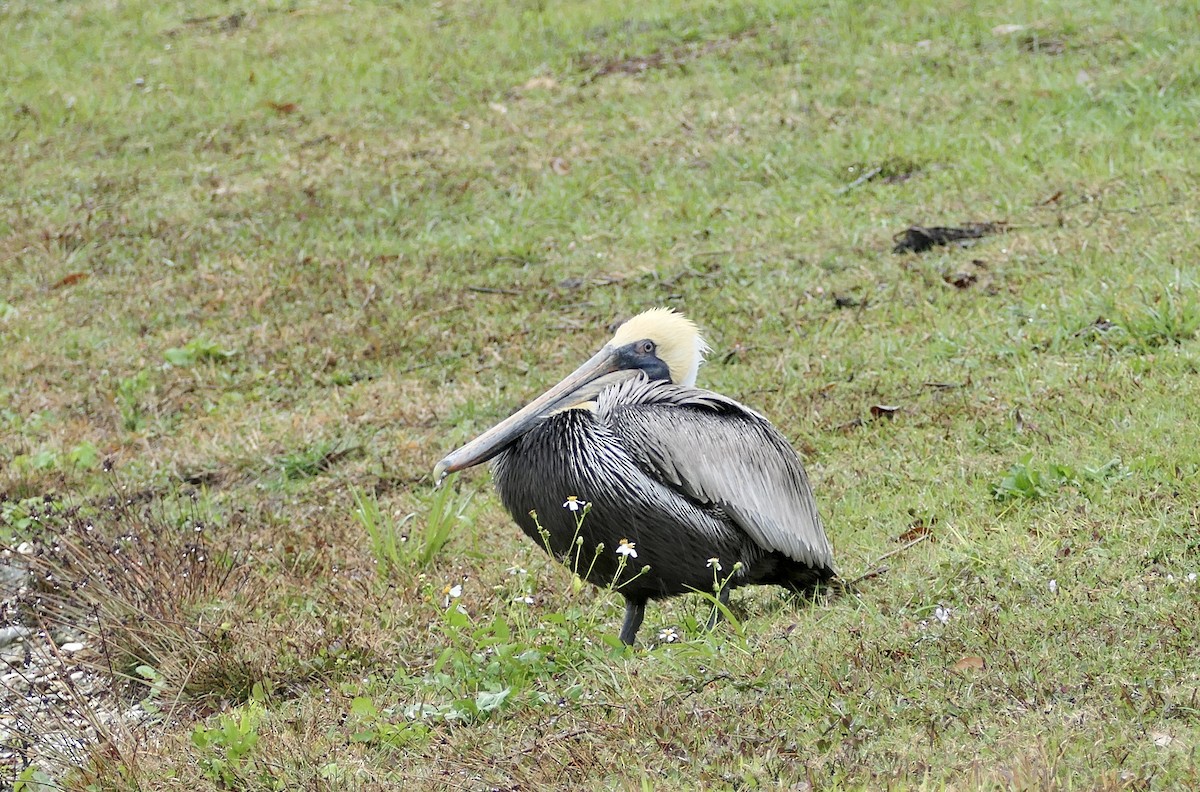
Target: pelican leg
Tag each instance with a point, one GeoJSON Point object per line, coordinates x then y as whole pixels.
{"type": "Point", "coordinates": [717, 615]}
{"type": "Point", "coordinates": [635, 611]}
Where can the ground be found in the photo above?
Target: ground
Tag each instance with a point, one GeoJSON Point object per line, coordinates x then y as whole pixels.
{"type": "Point", "coordinates": [264, 265]}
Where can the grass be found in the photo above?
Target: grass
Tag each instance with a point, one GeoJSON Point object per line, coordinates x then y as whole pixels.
{"type": "Point", "coordinates": [286, 257]}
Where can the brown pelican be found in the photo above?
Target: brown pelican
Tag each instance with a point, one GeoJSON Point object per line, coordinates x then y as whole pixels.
{"type": "Point", "coordinates": [691, 484]}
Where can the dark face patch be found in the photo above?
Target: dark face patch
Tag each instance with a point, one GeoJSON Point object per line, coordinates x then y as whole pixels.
{"type": "Point", "coordinates": [643, 355]}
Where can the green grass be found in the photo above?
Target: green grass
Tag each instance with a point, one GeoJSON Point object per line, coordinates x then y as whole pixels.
{"type": "Point", "coordinates": [261, 258]}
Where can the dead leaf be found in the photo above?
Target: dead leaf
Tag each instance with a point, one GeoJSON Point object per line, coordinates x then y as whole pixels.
{"type": "Point", "coordinates": [70, 280]}
{"type": "Point", "coordinates": [970, 663]}
{"type": "Point", "coordinates": [498, 108]}
{"type": "Point", "coordinates": [916, 530]}
{"type": "Point", "coordinates": [261, 300]}
{"type": "Point", "coordinates": [283, 108]}
{"type": "Point", "coordinates": [540, 83]}
{"type": "Point", "coordinates": [560, 166]}
{"type": "Point", "coordinates": [850, 425]}
{"type": "Point", "coordinates": [884, 410]}
{"type": "Point", "coordinates": [1007, 30]}
{"type": "Point", "coordinates": [960, 280]}
{"type": "Point", "coordinates": [918, 239]}
{"type": "Point", "coordinates": [1161, 739]}
{"type": "Point", "coordinates": [1052, 199]}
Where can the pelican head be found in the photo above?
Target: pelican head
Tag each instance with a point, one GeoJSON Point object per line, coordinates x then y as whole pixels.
{"type": "Point", "coordinates": [659, 343]}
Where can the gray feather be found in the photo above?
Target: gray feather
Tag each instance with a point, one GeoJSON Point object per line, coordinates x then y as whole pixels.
{"type": "Point", "coordinates": [720, 453]}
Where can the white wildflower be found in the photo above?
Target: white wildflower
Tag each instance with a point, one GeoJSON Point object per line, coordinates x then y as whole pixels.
{"type": "Point", "coordinates": [575, 504]}
{"type": "Point", "coordinates": [668, 635]}
{"type": "Point", "coordinates": [1053, 586]}
{"type": "Point", "coordinates": [626, 549]}
{"type": "Point", "coordinates": [714, 563]}
{"type": "Point", "coordinates": [941, 614]}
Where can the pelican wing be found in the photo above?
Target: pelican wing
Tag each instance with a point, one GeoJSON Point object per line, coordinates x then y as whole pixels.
{"type": "Point", "coordinates": [719, 452]}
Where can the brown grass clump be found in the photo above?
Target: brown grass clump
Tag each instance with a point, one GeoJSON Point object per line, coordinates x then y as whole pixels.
{"type": "Point", "coordinates": [125, 604]}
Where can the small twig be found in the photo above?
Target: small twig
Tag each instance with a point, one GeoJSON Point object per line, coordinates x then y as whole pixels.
{"type": "Point", "coordinates": [861, 180]}
{"type": "Point", "coordinates": [869, 575]}
{"type": "Point", "coordinates": [492, 290]}
{"type": "Point", "coordinates": [879, 570]}
{"type": "Point", "coordinates": [902, 548]}
{"type": "Point", "coordinates": [729, 251]}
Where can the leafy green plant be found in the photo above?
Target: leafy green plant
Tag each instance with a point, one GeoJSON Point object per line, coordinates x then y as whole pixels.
{"type": "Point", "coordinates": [129, 400]}
{"type": "Point", "coordinates": [409, 541]}
{"type": "Point", "coordinates": [226, 748]}
{"type": "Point", "coordinates": [446, 510]}
{"type": "Point", "coordinates": [388, 537]}
{"type": "Point", "coordinates": [17, 517]}
{"type": "Point", "coordinates": [46, 459]}
{"type": "Point", "coordinates": [1025, 481]}
{"type": "Point", "coordinates": [377, 728]}
{"type": "Point", "coordinates": [33, 779]}
{"type": "Point", "coordinates": [156, 685]}
{"type": "Point", "coordinates": [196, 351]}
{"type": "Point", "coordinates": [82, 457]}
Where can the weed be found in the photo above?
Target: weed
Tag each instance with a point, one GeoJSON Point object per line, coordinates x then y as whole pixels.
{"type": "Point", "coordinates": [1170, 316]}
{"type": "Point", "coordinates": [84, 456]}
{"type": "Point", "coordinates": [312, 461]}
{"type": "Point", "coordinates": [19, 517]}
{"type": "Point", "coordinates": [1025, 481]}
{"type": "Point", "coordinates": [447, 511]}
{"type": "Point", "coordinates": [416, 539]}
{"type": "Point", "coordinates": [387, 536]}
{"type": "Point", "coordinates": [196, 351]}
{"type": "Point", "coordinates": [129, 400]}
{"type": "Point", "coordinates": [376, 728]}
{"type": "Point", "coordinates": [131, 576]}
{"type": "Point", "coordinates": [226, 750]}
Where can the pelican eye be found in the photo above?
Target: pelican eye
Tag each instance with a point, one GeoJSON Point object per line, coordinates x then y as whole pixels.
{"type": "Point", "coordinates": [646, 347]}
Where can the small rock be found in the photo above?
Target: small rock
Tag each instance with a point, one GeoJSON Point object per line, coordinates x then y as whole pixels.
{"type": "Point", "coordinates": [13, 633]}
{"type": "Point", "coordinates": [72, 647]}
